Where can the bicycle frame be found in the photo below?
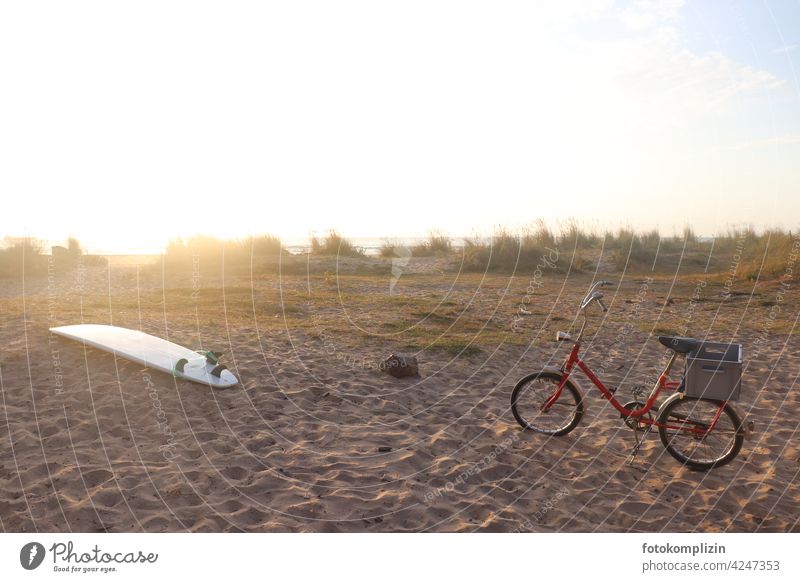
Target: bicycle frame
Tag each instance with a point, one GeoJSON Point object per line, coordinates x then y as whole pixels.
{"type": "Point", "coordinates": [663, 382]}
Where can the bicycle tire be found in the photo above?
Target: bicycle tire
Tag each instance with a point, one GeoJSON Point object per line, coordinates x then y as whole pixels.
{"type": "Point", "coordinates": [697, 411]}
{"type": "Point", "coordinates": [571, 392]}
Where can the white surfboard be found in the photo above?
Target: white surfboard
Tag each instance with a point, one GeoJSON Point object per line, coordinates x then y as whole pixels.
{"type": "Point", "coordinates": [152, 352]}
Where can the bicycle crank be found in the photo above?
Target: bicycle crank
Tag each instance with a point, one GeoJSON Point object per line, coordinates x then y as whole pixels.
{"type": "Point", "coordinates": [637, 423]}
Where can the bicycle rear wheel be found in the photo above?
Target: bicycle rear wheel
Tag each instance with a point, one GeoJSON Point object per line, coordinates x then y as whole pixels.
{"type": "Point", "coordinates": [683, 428]}
{"type": "Point", "coordinates": [531, 393]}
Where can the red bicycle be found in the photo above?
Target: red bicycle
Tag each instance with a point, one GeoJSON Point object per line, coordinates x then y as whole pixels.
{"type": "Point", "coordinates": [700, 433]}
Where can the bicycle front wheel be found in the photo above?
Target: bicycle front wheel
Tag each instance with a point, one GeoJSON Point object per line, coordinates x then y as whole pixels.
{"type": "Point", "coordinates": [532, 392]}
{"type": "Point", "coordinates": [685, 430]}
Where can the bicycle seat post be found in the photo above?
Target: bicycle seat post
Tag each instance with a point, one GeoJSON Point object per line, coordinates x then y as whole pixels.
{"type": "Point", "coordinates": [669, 365]}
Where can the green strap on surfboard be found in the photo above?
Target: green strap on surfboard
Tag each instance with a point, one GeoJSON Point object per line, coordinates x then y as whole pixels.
{"type": "Point", "coordinates": [211, 357]}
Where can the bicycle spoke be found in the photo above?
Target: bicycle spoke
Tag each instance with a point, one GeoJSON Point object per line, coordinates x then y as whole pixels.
{"type": "Point", "coordinates": [700, 446]}
{"type": "Point", "coordinates": [533, 395]}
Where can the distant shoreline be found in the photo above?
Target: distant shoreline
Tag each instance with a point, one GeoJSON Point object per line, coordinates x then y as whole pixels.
{"type": "Point", "coordinates": [300, 246]}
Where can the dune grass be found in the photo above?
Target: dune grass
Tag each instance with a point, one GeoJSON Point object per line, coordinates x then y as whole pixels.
{"type": "Point", "coordinates": [214, 250]}
{"type": "Point", "coordinates": [748, 253]}
{"type": "Point", "coordinates": [22, 255]}
{"type": "Point", "coordinates": [742, 253]}
{"type": "Point", "coordinates": [773, 254]}
{"type": "Point", "coordinates": [532, 250]}
{"type": "Point", "coordinates": [29, 256]}
{"type": "Point", "coordinates": [334, 245]}
{"type": "Point", "coordinates": [389, 249]}
{"type": "Point", "coordinates": [437, 243]}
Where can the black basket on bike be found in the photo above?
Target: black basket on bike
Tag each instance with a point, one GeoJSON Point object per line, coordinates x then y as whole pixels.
{"type": "Point", "coordinates": [714, 371]}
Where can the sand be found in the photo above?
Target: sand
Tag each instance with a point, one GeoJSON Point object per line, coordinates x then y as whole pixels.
{"type": "Point", "coordinates": [315, 439]}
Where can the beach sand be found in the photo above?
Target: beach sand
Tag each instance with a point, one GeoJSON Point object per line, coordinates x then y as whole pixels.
{"type": "Point", "coordinates": [316, 439]}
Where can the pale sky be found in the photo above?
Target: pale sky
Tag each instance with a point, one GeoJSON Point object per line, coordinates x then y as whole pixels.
{"type": "Point", "coordinates": [126, 124]}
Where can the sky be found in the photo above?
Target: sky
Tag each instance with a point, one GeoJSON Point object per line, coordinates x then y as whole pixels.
{"type": "Point", "coordinates": [127, 124]}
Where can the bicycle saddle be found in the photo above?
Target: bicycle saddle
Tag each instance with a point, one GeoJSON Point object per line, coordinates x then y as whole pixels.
{"type": "Point", "coordinates": [682, 345]}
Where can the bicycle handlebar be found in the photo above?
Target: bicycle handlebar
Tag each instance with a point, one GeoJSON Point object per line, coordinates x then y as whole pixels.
{"type": "Point", "coordinates": [593, 295]}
